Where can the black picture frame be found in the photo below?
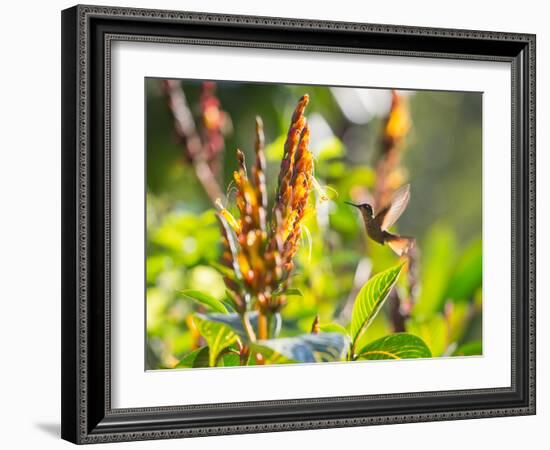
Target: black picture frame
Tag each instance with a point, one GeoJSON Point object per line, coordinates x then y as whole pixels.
{"type": "Point", "coordinates": [87, 33]}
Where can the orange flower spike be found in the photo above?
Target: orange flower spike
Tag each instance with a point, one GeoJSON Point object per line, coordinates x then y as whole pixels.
{"type": "Point", "coordinates": [247, 199]}
{"type": "Point", "coordinates": [239, 199]}
{"type": "Point", "coordinates": [245, 268]}
{"type": "Point", "coordinates": [261, 255]}
{"type": "Point", "coordinates": [250, 198]}
{"type": "Point", "coordinates": [289, 224]}
{"type": "Point", "coordinates": [291, 144]}
{"type": "Point", "coordinates": [388, 172]}
{"type": "Point", "coordinates": [241, 164]}
{"type": "Point", "coordinates": [258, 174]}
{"type": "Point", "coordinates": [399, 122]}
{"type": "Point", "coordinates": [259, 168]}
{"type": "Point", "coordinates": [302, 181]}
{"type": "Point", "coordinates": [282, 207]}
{"type": "Point", "coordinates": [303, 172]}
{"type": "Point", "coordinates": [301, 187]}
{"type": "Point", "coordinates": [294, 185]}
{"type": "Point", "coordinates": [241, 181]}
{"type": "Point", "coordinates": [303, 156]}
{"type": "Point", "coordinates": [290, 247]}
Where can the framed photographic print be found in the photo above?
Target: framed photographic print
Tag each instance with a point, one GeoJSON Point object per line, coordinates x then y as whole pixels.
{"type": "Point", "coordinates": [281, 224]}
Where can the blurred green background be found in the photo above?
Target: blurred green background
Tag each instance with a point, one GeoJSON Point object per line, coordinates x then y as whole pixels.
{"type": "Point", "coordinates": [442, 160]}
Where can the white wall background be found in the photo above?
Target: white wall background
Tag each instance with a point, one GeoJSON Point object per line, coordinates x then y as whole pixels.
{"type": "Point", "coordinates": [30, 223]}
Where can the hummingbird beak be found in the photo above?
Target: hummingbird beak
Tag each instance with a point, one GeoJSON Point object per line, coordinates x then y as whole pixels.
{"type": "Point", "coordinates": [352, 204]}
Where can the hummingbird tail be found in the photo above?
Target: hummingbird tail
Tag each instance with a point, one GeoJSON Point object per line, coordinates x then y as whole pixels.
{"type": "Point", "coordinates": [400, 244]}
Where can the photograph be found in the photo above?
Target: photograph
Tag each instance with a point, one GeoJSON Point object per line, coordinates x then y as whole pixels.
{"type": "Point", "coordinates": [297, 224]}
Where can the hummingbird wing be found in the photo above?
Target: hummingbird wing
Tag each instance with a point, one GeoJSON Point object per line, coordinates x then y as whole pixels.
{"type": "Point", "coordinates": [401, 245]}
{"type": "Point", "coordinates": [389, 215]}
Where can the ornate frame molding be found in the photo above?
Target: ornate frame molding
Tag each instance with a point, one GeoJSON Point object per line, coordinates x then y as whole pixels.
{"type": "Point", "coordinates": [87, 38]}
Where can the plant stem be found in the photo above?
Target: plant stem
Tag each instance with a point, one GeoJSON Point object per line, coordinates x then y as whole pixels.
{"type": "Point", "coordinates": [353, 354]}
{"type": "Point", "coordinates": [397, 318]}
{"type": "Point", "coordinates": [186, 130]}
{"type": "Point", "coordinates": [248, 327]}
{"type": "Point", "coordinates": [262, 325]}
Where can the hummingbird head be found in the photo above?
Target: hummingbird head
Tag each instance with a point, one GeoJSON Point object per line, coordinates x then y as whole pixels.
{"type": "Point", "coordinates": [365, 209]}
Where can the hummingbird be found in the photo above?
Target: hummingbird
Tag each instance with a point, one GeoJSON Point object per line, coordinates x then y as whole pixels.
{"type": "Point", "coordinates": [377, 224]}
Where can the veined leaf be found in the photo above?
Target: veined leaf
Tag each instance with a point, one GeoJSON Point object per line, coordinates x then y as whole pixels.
{"type": "Point", "coordinates": [196, 358]}
{"type": "Point", "coordinates": [333, 328]}
{"type": "Point", "coordinates": [396, 346]}
{"type": "Point", "coordinates": [233, 320]}
{"type": "Point", "coordinates": [217, 335]}
{"type": "Point", "coordinates": [378, 328]}
{"type": "Point", "coordinates": [200, 358]}
{"type": "Point", "coordinates": [205, 299]}
{"type": "Point", "coordinates": [370, 299]}
{"type": "Point", "coordinates": [307, 348]}
{"type": "Point", "coordinates": [269, 356]}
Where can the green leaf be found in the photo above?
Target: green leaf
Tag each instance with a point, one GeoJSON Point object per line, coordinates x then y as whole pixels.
{"type": "Point", "coordinates": [370, 299]}
{"type": "Point", "coordinates": [438, 257]}
{"type": "Point", "coordinates": [469, 349]}
{"type": "Point", "coordinates": [458, 318]}
{"type": "Point", "coordinates": [225, 271]}
{"type": "Point", "coordinates": [228, 303]}
{"type": "Point", "coordinates": [230, 359]}
{"type": "Point", "coordinates": [233, 320]}
{"type": "Point", "coordinates": [333, 328]}
{"type": "Point", "coordinates": [205, 299]}
{"type": "Point", "coordinates": [196, 358]}
{"type": "Point", "coordinates": [468, 273]}
{"type": "Point", "coordinates": [268, 355]}
{"type": "Point", "coordinates": [228, 232]}
{"type": "Point", "coordinates": [217, 335]}
{"type": "Point", "coordinates": [200, 358]}
{"type": "Point", "coordinates": [307, 348]}
{"type": "Point", "coordinates": [396, 346]}
{"type": "Point", "coordinates": [378, 328]}
{"type": "Point", "coordinates": [290, 291]}
{"type": "Point", "coordinates": [434, 331]}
